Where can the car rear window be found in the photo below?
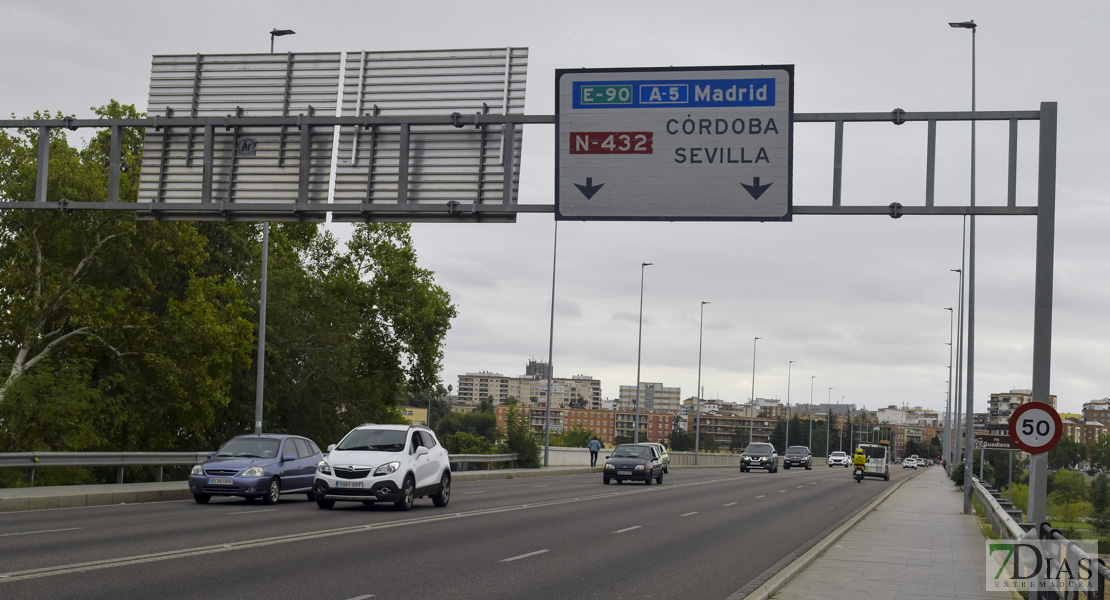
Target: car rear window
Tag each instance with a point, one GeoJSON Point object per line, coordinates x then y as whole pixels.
{"type": "Point", "coordinates": [759, 448]}
{"type": "Point", "coordinates": [801, 451]}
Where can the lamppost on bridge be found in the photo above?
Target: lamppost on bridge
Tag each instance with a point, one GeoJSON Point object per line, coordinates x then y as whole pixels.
{"type": "Point", "coordinates": [261, 360]}
{"type": "Point", "coordinates": [811, 378]}
{"type": "Point", "coordinates": [751, 413]}
{"type": "Point", "coordinates": [697, 414]}
{"type": "Point", "coordinates": [639, 346]}
{"type": "Point", "coordinates": [786, 444]}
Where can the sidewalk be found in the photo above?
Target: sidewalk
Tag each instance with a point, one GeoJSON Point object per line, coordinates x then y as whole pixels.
{"type": "Point", "coordinates": [915, 545]}
{"type": "Point", "coordinates": [69, 496]}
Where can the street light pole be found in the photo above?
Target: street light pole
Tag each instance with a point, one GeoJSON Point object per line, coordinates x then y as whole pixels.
{"type": "Point", "coordinates": [828, 425]}
{"type": "Point", "coordinates": [811, 378]}
{"type": "Point", "coordinates": [787, 443]}
{"type": "Point", "coordinates": [970, 441]}
{"type": "Point", "coordinates": [957, 440]}
{"type": "Point", "coordinates": [697, 413]}
{"type": "Point", "coordinates": [947, 454]}
{"type": "Point", "coordinates": [639, 347]}
{"type": "Point", "coordinates": [261, 360]}
{"type": "Point", "coordinates": [751, 412]}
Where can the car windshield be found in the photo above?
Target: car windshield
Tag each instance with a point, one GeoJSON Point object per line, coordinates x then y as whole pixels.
{"type": "Point", "coordinates": [381, 440]}
{"type": "Point", "coordinates": [838, 453]}
{"type": "Point", "coordinates": [795, 450]}
{"type": "Point", "coordinates": [631, 452]}
{"type": "Point", "coordinates": [250, 448]}
{"type": "Point", "coordinates": [758, 449]}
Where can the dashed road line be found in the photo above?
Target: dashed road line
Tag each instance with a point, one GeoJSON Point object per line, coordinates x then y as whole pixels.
{"type": "Point", "coordinates": [731, 504]}
{"type": "Point", "coordinates": [761, 496]}
{"type": "Point", "coordinates": [40, 531]}
{"type": "Point", "coordinates": [523, 556]}
{"type": "Point", "coordinates": [689, 513]}
{"type": "Point", "coordinates": [627, 529]}
{"type": "Point", "coordinates": [251, 512]}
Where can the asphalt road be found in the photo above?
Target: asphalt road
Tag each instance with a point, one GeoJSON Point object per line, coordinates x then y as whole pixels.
{"type": "Point", "coordinates": [704, 533]}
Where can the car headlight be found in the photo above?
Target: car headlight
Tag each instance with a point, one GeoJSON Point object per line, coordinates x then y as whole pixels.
{"type": "Point", "coordinates": [609, 466]}
{"type": "Point", "coordinates": [641, 467]}
{"type": "Point", "coordinates": [323, 467]}
{"type": "Point", "coordinates": [387, 468]}
{"type": "Point", "coordinates": [197, 470]}
{"type": "Point", "coordinates": [252, 472]}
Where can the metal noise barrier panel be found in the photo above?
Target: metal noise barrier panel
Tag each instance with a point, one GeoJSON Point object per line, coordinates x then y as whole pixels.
{"type": "Point", "coordinates": [396, 171]}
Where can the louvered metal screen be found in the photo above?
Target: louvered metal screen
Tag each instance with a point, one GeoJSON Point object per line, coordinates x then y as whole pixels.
{"type": "Point", "coordinates": [445, 163]}
{"type": "Point", "coordinates": [255, 171]}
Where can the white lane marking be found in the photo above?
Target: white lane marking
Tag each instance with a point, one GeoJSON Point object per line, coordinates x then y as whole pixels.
{"type": "Point", "coordinates": [41, 531]}
{"type": "Point", "coordinates": [366, 597]}
{"type": "Point", "coordinates": [730, 504]}
{"type": "Point", "coordinates": [251, 512]}
{"type": "Point", "coordinates": [689, 513]}
{"type": "Point", "coordinates": [535, 486]}
{"type": "Point", "coordinates": [800, 487]}
{"type": "Point", "coordinates": [628, 529]}
{"type": "Point", "coordinates": [761, 496]}
{"type": "Point", "coordinates": [478, 492]}
{"type": "Point", "coordinates": [781, 491]}
{"type": "Point", "coordinates": [523, 556]}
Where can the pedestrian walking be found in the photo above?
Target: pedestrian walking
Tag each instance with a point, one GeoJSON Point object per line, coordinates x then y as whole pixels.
{"type": "Point", "coordinates": [595, 447]}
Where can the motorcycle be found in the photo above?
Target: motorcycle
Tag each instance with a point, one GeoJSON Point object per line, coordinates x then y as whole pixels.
{"type": "Point", "coordinates": [858, 473]}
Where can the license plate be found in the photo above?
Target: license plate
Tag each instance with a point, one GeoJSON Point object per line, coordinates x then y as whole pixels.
{"type": "Point", "coordinates": [221, 481]}
{"type": "Point", "coordinates": [349, 484]}
{"type": "Point", "coordinates": [624, 472]}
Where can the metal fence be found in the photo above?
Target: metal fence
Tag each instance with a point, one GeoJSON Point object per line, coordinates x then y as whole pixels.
{"type": "Point", "coordinates": [122, 460]}
{"type": "Point", "coordinates": [1004, 519]}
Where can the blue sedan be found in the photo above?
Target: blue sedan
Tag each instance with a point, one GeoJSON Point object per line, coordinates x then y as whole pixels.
{"type": "Point", "coordinates": [257, 466]}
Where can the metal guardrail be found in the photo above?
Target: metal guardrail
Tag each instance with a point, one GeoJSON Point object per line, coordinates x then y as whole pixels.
{"type": "Point", "coordinates": [122, 460]}
{"type": "Point", "coordinates": [1000, 514]}
{"type": "Point", "coordinates": [119, 460]}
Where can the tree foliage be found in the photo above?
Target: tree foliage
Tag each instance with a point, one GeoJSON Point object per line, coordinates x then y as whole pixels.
{"type": "Point", "coordinates": [520, 439]}
{"type": "Point", "coordinates": [118, 334]}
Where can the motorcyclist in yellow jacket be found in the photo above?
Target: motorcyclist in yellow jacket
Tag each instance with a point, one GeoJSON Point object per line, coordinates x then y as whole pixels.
{"type": "Point", "coordinates": [860, 459]}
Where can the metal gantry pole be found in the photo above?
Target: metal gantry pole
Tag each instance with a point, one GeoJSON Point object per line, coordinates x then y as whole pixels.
{"type": "Point", "coordinates": [697, 408]}
{"type": "Point", "coordinates": [639, 347]}
{"type": "Point", "coordinates": [1042, 310]}
{"type": "Point", "coordinates": [957, 441]}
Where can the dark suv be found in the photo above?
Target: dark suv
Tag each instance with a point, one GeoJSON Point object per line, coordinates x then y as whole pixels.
{"type": "Point", "coordinates": [797, 456]}
{"type": "Point", "coordinates": [759, 455]}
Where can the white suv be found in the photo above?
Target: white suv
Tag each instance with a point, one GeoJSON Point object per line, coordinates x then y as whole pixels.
{"type": "Point", "coordinates": [389, 463]}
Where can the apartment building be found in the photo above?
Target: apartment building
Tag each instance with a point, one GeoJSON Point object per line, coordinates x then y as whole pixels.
{"type": "Point", "coordinates": [607, 425]}
{"type": "Point", "coordinates": [1002, 405]}
{"type": "Point", "coordinates": [654, 397]}
{"type": "Point", "coordinates": [472, 387]}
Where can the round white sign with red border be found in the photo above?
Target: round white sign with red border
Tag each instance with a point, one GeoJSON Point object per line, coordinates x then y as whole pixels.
{"type": "Point", "coordinates": [1035, 427]}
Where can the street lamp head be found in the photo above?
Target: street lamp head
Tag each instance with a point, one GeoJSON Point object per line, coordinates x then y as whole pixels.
{"type": "Point", "coordinates": [280, 32]}
{"type": "Point", "coordinates": [963, 25]}
{"type": "Point", "coordinates": [645, 265]}
{"type": "Point", "coordinates": [704, 302]}
{"type": "Point", "coordinates": [956, 270]}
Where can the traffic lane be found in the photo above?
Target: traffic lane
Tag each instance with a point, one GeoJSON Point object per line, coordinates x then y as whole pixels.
{"type": "Point", "coordinates": [474, 547]}
{"type": "Point", "coordinates": [39, 539]}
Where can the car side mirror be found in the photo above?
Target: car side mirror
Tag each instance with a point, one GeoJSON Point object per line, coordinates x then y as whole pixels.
{"type": "Point", "coordinates": [288, 458]}
{"type": "Point", "coordinates": [331, 447]}
{"type": "Point", "coordinates": [607, 457]}
{"type": "Point", "coordinates": [211, 454]}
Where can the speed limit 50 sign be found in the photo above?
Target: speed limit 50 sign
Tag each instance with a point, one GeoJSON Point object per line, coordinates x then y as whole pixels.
{"type": "Point", "coordinates": [1035, 427]}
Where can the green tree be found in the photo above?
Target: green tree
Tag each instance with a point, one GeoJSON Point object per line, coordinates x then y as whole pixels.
{"type": "Point", "coordinates": [1068, 493]}
{"type": "Point", "coordinates": [1099, 496]}
{"type": "Point", "coordinates": [739, 439]}
{"type": "Point", "coordinates": [681, 441]}
{"type": "Point", "coordinates": [1100, 453]}
{"type": "Point", "coordinates": [464, 443]}
{"type": "Point", "coordinates": [623, 439]}
{"type": "Point", "coordinates": [520, 439]}
{"type": "Point", "coordinates": [1066, 454]}
{"type": "Point", "coordinates": [574, 437]}
{"type": "Point", "coordinates": [709, 444]}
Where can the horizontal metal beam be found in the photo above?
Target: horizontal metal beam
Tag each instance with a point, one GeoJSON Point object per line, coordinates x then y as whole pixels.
{"type": "Point", "coordinates": [291, 211]}
{"type": "Point", "coordinates": [462, 120]}
{"type": "Point", "coordinates": [99, 459]}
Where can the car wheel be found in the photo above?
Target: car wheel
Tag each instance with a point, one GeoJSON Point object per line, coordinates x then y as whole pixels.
{"type": "Point", "coordinates": [808, 467]}
{"type": "Point", "coordinates": [648, 480]}
{"type": "Point", "coordinates": [273, 494]}
{"type": "Point", "coordinates": [444, 495]}
{"type": "Point", "coordinates": [405, 503]}
{"type": "Point", "coordinates": [202, 498]}
{"type": "Point", "coordinates": [605, 479]}
{"type": "Point", "coordinates": [786, 466]}
{"type": "Point", "coordinates": [311, 496]}
{"type": "Point", "coordinates": [659, 479]}
{"type": "Point", "coordinates": [318, 492]}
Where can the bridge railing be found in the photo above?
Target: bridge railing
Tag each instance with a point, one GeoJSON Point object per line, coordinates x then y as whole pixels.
{"type": "Point", "coordinates": [122, 460]}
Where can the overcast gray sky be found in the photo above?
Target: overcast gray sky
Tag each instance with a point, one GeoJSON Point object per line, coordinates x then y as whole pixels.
{"type": "Point", "coordinates": [857, 302]}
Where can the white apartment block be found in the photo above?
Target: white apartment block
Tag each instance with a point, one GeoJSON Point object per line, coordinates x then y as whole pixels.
{"type": "Point", "coordinates": [654, 397]}
{"type": "Point", "coordinates": [1003, 405]}
{"type": "Point", "coordinates": [473, 387]}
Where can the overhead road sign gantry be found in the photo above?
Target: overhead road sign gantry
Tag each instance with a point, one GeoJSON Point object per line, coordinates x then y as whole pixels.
{"type": "Point", "coordinates": [677, 144]}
